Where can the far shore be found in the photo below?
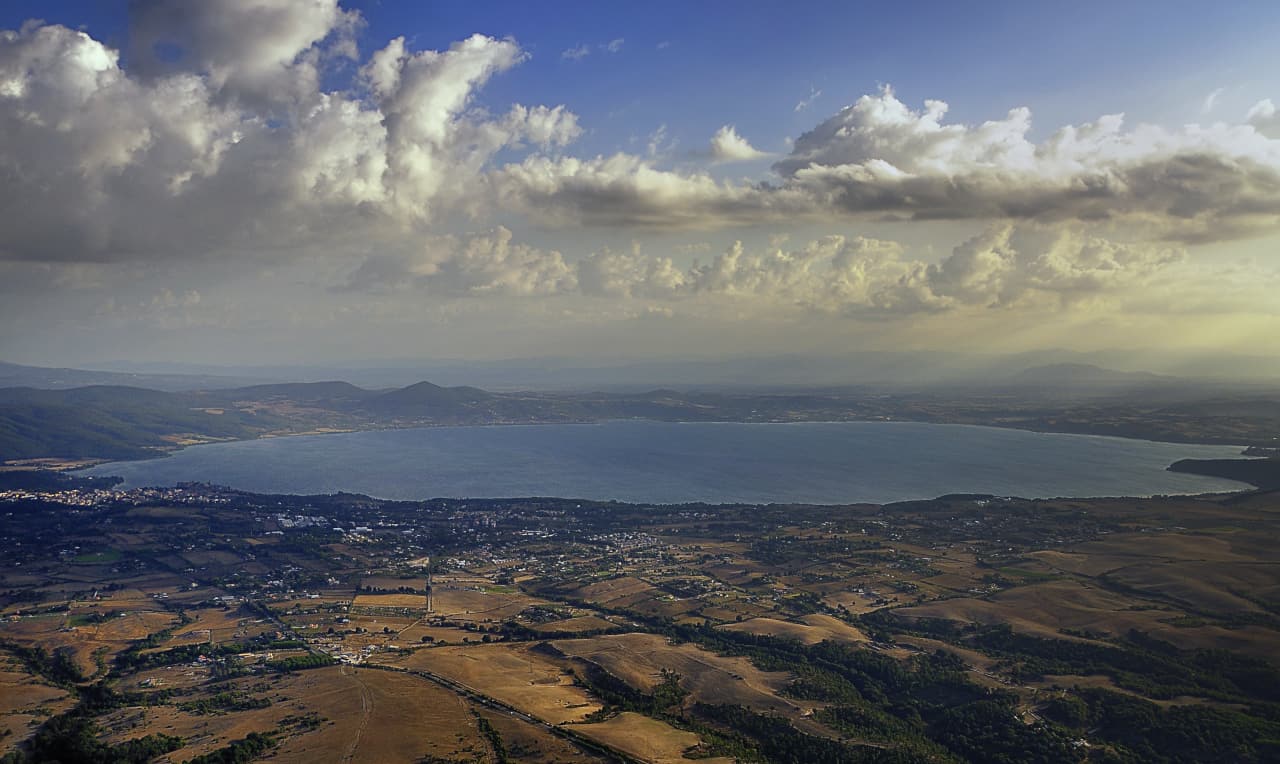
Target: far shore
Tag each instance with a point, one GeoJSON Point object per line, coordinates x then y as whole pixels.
{"type": "Point", "coordinates": [181, 441]}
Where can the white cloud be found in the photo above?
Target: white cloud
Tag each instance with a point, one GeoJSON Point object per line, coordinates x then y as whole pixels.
{"type": "Point", "coordinates": [1265, 118]}
{"type": "Point", "coordinates": [626, 191]}
{"type": "Point", "coordinates": [728, 146]}
{"type": "Point", "coordinates": [1210, 101]}
{"type": "Point", "coordinates": [808, 100]}
{"type": "Point", "coordinates": [1002, 267]}
{"type": "Point", "coordinates": [234, 146]}
{"type": "Point", "coordinates": [484, 264]}
{"type": "Point", "coordinates": [660, 143]}
{"type": "Point", "coordinates": [579, 52]}
{"type": "Point", "coordinates": [880, 158]}
{"type": "Point", "coordinates": [102, 164]}
{"type": "Point", "coordinates": [265, 51]}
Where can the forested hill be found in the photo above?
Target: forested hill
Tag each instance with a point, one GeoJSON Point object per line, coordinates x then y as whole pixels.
{"type": "Point", "coordinates": [113, 422]}
{"type": "Point", "coordinates": [1263, 473]}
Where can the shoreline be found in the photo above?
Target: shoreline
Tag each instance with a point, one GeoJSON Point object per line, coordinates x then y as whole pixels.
{"type": "Point", "coordinates": [461, 487]}
{"type": "Point", "coordinates": [161, 452]}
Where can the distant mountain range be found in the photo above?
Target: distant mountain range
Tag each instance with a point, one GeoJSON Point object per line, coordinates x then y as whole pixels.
{"type": "Point", "coordinates": [129, 422]}
{"type": "Point", "coordinates": [897, 370]}
{"type": "Point", "coordinates": [1086, 374]}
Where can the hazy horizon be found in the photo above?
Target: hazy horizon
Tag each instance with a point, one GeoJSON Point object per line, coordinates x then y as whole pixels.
{"type": "Point", "coordinates": [886, 370]}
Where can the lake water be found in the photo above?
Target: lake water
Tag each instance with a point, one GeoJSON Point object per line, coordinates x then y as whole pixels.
{"type": "Point", "coordinates": [666, 462]}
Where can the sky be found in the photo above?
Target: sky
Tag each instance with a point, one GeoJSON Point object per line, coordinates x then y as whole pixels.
{"type": "Point", "coordinates": [302, 182]}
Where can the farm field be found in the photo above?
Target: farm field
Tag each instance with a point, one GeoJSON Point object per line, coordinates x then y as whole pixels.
{"type": "Point", "coordinates": [513, 674]}
{"type": "Point", "coordinates": [639, 659]}
{"type": "Point", "coordinates": [646, 739]}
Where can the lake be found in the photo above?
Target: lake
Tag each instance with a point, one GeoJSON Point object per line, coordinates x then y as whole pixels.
{"type": "Point", "coordinates": [640, 461]}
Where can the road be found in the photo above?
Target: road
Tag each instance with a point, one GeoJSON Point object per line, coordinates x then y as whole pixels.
{"type": "Point", "coordinates": [366, 710]}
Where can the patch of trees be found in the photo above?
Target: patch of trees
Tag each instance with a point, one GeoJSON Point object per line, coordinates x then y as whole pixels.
{"type": "Point", "coordinates": [1141, 730]}
{"type": "Point", "coordinates": [664, 702]}
{"type": "Point", "coordinates": [74, 736]}
{"type": "Point", "coordinates": [758, 736]}
{"type": "Point", "coordinates": [871, 725]}
{"type": "Point", "coordinates": [988, 731]}
{"type": "Point", "coordinates": [388, 590]}
{"type": "Point", "coordinates": [303, 722]}
{"type": "Point", "coordinates": [286, 644]}
{"type": "Point", "coordinates": [57, 668]}
{"type": "Point", "coordinates": [239, 751]}
{"type": "Point", "coordinates": [1140, 663]}
{"type": "Point", "coordinates": [495, 739]}
{"type": "Point", "coordinates": [224, 702]}
{"type": "Point", "coordinates": [137, 661]}
{"type": "Point", "coordinates": [301, 662]}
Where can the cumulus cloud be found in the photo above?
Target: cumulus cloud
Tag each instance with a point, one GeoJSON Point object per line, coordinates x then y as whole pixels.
{"type": "Point", "coordinates": [627, 191]}
{"type": "Point", "coordinates": [630, 274]}
{"type": "Point", "coordinates": [880, 158]}
{"type": "Point", "coordinates": [879, 155]}
{"type": "Point", "coordinates": [484, 264]}
{"type": "Point", "coordinates": [430, 140]}
{"type": "Point", "coordinates": [1265, 118]}
{"type": "Point", "coordinates": [263, 51]}
{"type": "Point", "coordinates": [1003, 266]}
{"type": "Point", "coordinates": [993, 269]}
{"type": "Point", "coordinates": [225, 150]}
{"type": "Point", "coordinates": [220, 136]}
{"type": "Point", "coordinates": [728, 146]}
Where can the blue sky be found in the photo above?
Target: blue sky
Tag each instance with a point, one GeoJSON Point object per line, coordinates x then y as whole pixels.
{"type": "Point", "coordinates": [482, 193]}
{"type": "Point", "coordinates": [750, 63]}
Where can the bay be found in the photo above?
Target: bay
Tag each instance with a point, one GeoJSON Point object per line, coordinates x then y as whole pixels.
{"type": "Point", "coordinates": [665, 462]}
